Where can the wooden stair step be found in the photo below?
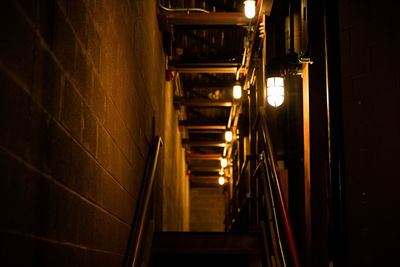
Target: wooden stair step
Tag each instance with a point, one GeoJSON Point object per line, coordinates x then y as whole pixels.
{"type": "Point", "coordinates": [207, 243]}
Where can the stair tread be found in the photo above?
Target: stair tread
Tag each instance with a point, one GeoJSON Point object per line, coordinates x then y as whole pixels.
{"type": "Point", "coordinates": [207, 243]}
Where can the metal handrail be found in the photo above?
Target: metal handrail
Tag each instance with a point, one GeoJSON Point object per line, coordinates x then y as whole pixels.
{"type": "Point", "coordinates": [270, 160]}
{"type": "Point", "coordinates": [142, 206]}
{"type": "Point", "coordinates": [236, 185]}
{"type": "Point", "coordinates": [272, 212]}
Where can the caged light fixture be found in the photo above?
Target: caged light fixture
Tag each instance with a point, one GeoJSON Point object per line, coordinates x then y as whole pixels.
{"type": "Point", "coordinates": [250, 8]}
{"type": "Point", "coordinates": [224, 162]}
{"type": "Point", "coordinates": [228, 136]}
{"type": "Point", "coordinates": [237, 91]}
{"type": "Point", "coordinates": [275, 91]}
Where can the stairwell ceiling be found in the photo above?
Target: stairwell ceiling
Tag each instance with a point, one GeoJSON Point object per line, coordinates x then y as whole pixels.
{"type": "Point", "coordinates": [206, 54]}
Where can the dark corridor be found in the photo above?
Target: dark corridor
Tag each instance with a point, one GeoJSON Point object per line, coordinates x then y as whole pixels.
{"type": "Point", "coordinates": [300, 100]}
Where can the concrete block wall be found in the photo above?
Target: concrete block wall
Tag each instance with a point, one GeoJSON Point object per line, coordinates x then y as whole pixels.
{"type": "Point", "coordinates": [207, 210]}
{"type": "Point", "coordinates": [82, 94]}
{"type": "Point", "coordinates": [175, 178]}
{"type": "Point", "coordinates": [370, 39]}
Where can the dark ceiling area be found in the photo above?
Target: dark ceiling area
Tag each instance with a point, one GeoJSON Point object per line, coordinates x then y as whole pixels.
{"type": "Point", "coordinates": [208, 42]}
{"type": "Point", "coordinates": [210, 46]}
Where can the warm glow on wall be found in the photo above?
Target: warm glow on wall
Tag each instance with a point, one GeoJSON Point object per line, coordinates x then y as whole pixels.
{"type": "Point", "coordinates": [228, 136]}
{"type": "Point", "coordinates": [275, 91]}
{"type": "Point", "coordinates": [224, 162]}
{"type": "Point", "coordinates": [250, 8]}
{"type": "Point", "coordinates": [237, 91]}
{"type": "Point", "coordinates": [221, 180]}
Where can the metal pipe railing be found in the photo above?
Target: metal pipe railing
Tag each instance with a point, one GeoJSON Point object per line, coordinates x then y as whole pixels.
{"type": "Point", "coordinates": [270, 158]}
{"type": "Point", "coordinates": [142, 206]}
{"type": "Point", "coordinates": [274, 200]}
{"type": "Point", "coordinates": [272, 217]}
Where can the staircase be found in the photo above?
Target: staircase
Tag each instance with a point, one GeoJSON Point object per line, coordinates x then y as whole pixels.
{"type": "Point", "coordinates": [206, 249]}
{"type": "Point", "coordinates": [274, 247]}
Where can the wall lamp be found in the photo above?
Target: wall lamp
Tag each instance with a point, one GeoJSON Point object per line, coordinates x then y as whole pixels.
{"type": "Point", "coordinates": [275, 91]}
{"type": "Point", "coordinates": [228, 136]}
{"type": "Point", "coordinates": [224, 162]}
{"type": "Point", "coordinates": [250, 8]}
{"type": "Point", "coordinates": [221, 180]}
{"type": "Point", "coordinates": [237, 91]}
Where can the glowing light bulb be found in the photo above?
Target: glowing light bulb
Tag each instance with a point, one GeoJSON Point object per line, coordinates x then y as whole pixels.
{"type": "Point", "coordinates": [250, 8]}
{"type": "Point", "coordinates": [224, 162]}
{"type": "Point", "coordinates": [275, 91]}
{"type": "Point", "coordinates": [237, 91]}
{"type": "Point", "coordinates": [228, 136]}
{"type": "Point", "coordinates": [221, 180]}
{"type": "Point", "coordinates": [221, 172]}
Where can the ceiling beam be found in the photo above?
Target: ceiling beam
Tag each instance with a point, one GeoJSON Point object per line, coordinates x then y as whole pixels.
{"type": "Point", "coordinates": [205, 177]}
{"type": "Point", "coordinates": [203, 184]}
{"type": "Point", "coordinates": [210, 27]}
{"type": "Point", "coordinates": [198, 125]}
{"type": "Point", "coordinates": [206, 67]}
{"type": "Point", "coordinates": [199, 102]}
{"type": "Point", "coordinates": [201, 131]}
{"type": "Point", "coordinates": [194, 69]}
{"type": "Point", "coordinates": [214, 18]}
{"type": "Point", "coordinates": [203, 143]}
{"type": "Point", "coordinates": [204, 169]}
{"type": "Point", "coordinates": [191, 156]}
{"type": "Point", "coordinates": [207, 84]}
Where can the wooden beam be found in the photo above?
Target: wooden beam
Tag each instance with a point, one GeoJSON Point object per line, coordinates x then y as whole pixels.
{"type": "Point", "coordinates": [199, 102]}
{"type": "Point", "coordinates": [205, 177]}
{"type": "Point", "coordinates": [203, 143]}
{"type": "Point", "coordinates": [199, 131]}
{"type": "Point", "coordinates": [196, 125]}
{"type": "Point", "coordinates": [211, 27]}
{"type": "Point", "coordinates": [203, 184]}
{"type": "Point", "coordinates": [190, 156]}
{"type": "Point", "coordinates": [207, 84]}
{"type": "Point", "coordinates": [214, 18]}
{"type": "Point", "coordinates": [231, 70]}
{"type": "Point", "coordinates": [204, 169]}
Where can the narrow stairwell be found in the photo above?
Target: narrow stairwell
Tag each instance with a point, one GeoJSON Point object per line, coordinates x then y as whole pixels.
{"type": "Point", "coordinates": [206, 249]}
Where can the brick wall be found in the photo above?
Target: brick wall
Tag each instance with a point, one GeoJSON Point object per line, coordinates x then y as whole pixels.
{"type": "Point", "coordinates": [174, 168]}
{"type": "Point", "coordinates": [371, 85]}
{"type": "Point", "coordinates": [81, 82]}
{"type": "Point", "coordinates": [207, 211]}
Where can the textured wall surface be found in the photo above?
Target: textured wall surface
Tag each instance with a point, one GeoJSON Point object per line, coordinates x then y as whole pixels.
{"type": "Point", "coordinates": [81, 82]}
{"type": "Point", "coordinates": [371, 91]}
{"type": "Point", "coordinates": [207, 211]}
{"type": "Point", "coordinates": [174, 178]}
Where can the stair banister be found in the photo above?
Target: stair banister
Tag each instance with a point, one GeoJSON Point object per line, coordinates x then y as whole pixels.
{"type": "Point", "coordinates": [136, 233]}
{"type": "Point", "coordinates": [281, 200]}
